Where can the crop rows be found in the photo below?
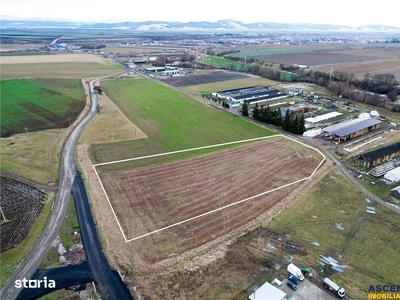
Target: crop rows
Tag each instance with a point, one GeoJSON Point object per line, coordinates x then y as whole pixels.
{"type": "Point", "coordinates": [20, 204]}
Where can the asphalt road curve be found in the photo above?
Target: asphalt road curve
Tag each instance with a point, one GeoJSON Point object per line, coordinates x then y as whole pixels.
{"type": "Point", "coordinates": [63, 277]}
{"type": "Point", "coordinates": [108, 282]}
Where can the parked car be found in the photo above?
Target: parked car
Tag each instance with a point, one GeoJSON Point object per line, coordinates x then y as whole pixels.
{"type": "Point", "coordinates": [293, 278]}
{"type": "Point", "coordinates": [292, 285]}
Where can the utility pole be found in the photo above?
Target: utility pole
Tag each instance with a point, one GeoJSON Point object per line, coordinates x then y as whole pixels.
{"type": "Point", "coordinates": [26, 130]}
{"type": "Point", "coordinates": [4, 218]}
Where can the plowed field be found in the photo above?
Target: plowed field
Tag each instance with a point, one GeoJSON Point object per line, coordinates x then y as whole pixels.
{"type": "Point", "coordinates": [149, 198]}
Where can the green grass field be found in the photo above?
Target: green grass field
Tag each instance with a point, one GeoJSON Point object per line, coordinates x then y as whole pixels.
{"type": "Point", "coordinates": [220, 62]}
{"type": "Point", "coordinates": [40, 104]}
{"type": "Point", "coordinates": [171, 120]}
{"type": "Point", "coordinates": [369, 244]}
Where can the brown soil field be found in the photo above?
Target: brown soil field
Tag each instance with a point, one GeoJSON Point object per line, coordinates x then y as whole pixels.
{"type": "Point", "coordinates": [363, 67]}
{"type": "Point", "coordinates": [181, 81]}
{"type": "Point", "coordinates": [316, 58]}
{"type": "Point", "coordinates": [149, 198]}
{"type": "Point", "coordinates": [51, 58]}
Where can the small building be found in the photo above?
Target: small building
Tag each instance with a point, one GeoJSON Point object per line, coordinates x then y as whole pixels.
{"type": "Point", "coordinates": [348, 130]}
{"type": "Point", "coordinates": [379, 156]}
{"type": "Point", "coordinates": [268, 292]}
{"type": "Point", "coordinates": [170, 71]}
{"type": "Point", "coordinates": [393, 175]}
{"type": "Point", "coordinates": [395, 193]}
{"type": "Point", "coordinates": [154, 70]}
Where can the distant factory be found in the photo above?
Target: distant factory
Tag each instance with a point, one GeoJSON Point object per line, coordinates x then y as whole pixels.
{"type": "Point", "coordinates": [252, 95]}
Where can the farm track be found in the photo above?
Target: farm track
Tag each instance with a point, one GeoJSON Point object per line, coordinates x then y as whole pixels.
{"type": "Point", "coordinates": [28, 182]}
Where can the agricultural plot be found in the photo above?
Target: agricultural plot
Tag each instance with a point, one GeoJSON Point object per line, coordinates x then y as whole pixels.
{"type": "Point", "coordinates": [20, 205]}
{"type": "Point", "coordinates": [183, 81]}
{"type": "Point", "coordinates": [316, 58]}
{"type": "Point", "coordinates": [204, 196]}
{"type": "Point", "coordinates": [39, 104]}
{"type": "Point", "coordinates": [51, 58]}
{"type": "Point", "coordinates": [363, 67]}
{"type": "Point", "coordinates": [171, 121]}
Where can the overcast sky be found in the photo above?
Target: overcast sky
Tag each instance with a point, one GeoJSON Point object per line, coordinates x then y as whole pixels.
{"type": "Point", "coordinates": [341, 12]}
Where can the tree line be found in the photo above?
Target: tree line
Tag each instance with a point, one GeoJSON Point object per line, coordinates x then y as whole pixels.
{"type": "Point", "coordinates": [289, 122]}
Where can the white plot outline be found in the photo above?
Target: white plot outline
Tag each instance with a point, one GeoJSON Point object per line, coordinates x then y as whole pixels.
{"type": "Point", "coordinates": [214, 210]}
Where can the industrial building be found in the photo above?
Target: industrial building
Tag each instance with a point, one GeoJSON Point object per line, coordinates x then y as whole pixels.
{"type": "Point", "coordinates": [252, 95]}
{"type": "Point", "coordinates": [379, 156]}
{"type": "Point", "coordinates": [165, 71]}
{"type": "Point", "coordinates": [348, 130]}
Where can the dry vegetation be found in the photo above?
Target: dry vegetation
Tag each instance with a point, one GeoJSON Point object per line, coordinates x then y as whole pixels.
{"type": "Point", "coordinates": [51, 58]}
{"type": "Point", "coordinates": [110, 125]}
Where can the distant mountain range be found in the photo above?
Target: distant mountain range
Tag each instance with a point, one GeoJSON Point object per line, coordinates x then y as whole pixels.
{"type": "Point", "coordinates": [222, 25]}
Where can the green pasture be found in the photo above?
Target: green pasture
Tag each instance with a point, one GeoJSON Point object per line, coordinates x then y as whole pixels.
{"type": "Point", "coordinates": [369, 244]}
{"type": "Point", "coordinates": [220, 62]}
{"type": "Point", "coordinates": [171, 120]}
{"type": "Point", "coordinates": [58, 70]}
{"type": "Point", "coordinates": [40, 104]}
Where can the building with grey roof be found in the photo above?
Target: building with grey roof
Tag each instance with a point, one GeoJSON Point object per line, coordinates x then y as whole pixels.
{"type": "Point", "coordinates": [351, 129]}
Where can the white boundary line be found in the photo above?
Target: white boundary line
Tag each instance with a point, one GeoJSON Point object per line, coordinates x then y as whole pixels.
{"type": "Point", "coordinates": [212, 211]}
{"type": "Point", "coordinates": [185, 150]}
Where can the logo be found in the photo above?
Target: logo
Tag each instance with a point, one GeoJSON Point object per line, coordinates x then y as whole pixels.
{"type": "Point", "coordinates": [388, 291]}
{"type": "Point", "coordinates": [35, 283]}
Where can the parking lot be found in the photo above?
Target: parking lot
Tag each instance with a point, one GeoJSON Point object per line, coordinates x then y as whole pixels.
{"type": "Point", "coordinates": [306, 290]}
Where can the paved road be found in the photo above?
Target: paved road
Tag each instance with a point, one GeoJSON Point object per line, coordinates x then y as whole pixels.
{"type": "Point", "coordinates": [53, 227]}
{"type": "Point", "coordinates": [343, 168]}
{"type": "Point", "coordinates": [64, 277]}
{"type": "Point", "coordinates": [109, 283]}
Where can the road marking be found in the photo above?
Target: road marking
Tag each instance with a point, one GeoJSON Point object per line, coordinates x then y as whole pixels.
{"type": "Point", "coordinates": [214, 210]}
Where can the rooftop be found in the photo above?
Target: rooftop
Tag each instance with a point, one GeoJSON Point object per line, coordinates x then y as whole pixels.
{"type": "Point", "coordinates": [348, 127]}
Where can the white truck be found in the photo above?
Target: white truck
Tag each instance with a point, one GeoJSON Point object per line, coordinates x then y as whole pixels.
{"type": "Point", "coordinates": [295, 271]}
{"type": "Point", "coordinates": [338, 291]}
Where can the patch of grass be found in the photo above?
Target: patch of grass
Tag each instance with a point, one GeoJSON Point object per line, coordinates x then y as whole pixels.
{"type": "Point", "coordinates": [34, 156]}
{"type": "Point", "coordinates": [11, 259]}
{"type": "Point", "coordinates": [220, 62]}
{"type": "Point", "coordinates": [66, 236]}
{"type": "Point", "coordinates": [171, 120]}
{"type": "Point", "coordinates": [40, 104]}
{"type": "Point", "coordinates": [369, 244]}
{"type": "Point", "coordinates": [59, 294]}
